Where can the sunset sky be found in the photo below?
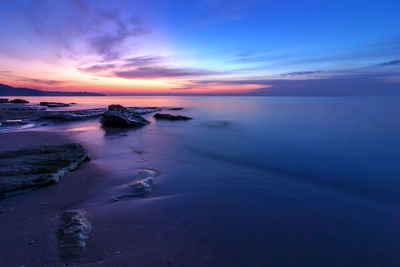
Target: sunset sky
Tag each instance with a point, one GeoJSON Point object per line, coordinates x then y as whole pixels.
{"type": "Point", "coordinates": [202, 46]}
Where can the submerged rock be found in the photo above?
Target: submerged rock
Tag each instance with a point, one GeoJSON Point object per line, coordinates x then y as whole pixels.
{"type": "Point", "coordinates": [171, 117]}
{"type": "Point", "coordinates": [19, 101]}
{"type": "Point", "coordinates": [14, 123]}
{"type": "Point", "coordinates": [73, 115]}
{"type": "Point", "coordinates": [137, 189]}
{"type": "Point", "coordinates": [31, 168]}
{"type": "Point", "coordinates": [143, 110]}
{"type": "Point", "coordinates": [118, 116]}
{"type": "Point", "coordinates": [73, 233]}
{"type": "Point", "coordinates": [54, 104]}
{"type": "Point", "coordinates": [218, 124]}
{"type": "Point", "coordinates": [141, 187]}
{"type": "Point", "coordinates": [3, 100]}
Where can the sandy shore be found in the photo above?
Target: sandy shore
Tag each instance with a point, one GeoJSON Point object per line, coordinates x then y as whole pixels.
{"type": "Point", "coordinates": [28, 222]}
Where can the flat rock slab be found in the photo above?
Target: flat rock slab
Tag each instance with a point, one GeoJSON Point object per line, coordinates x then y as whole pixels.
{"type": "Point", "coordinates": [54, 104]}
{"type": "Point", "coordinates": [31, 168]}
{"type": "Point", "coordinates": [164, 116]}
{"type": "Point", "coordinates": [72, 234]}
{"type": "Point", "coordinates": [19, 101]}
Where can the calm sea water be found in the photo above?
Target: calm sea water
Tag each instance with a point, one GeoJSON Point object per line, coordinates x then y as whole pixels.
{"type": "Point", "coordinates": [252, 181]}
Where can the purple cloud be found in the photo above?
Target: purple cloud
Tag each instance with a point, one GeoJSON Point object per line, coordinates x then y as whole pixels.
{"type": "Point", "coordinates": [97, 68]}
{"type": "Point", "coordinates": [39, 81]}
{"type": "Point", "coordinates": [159, 72]}
{"type": "Point", "coordinates": [297, 73]}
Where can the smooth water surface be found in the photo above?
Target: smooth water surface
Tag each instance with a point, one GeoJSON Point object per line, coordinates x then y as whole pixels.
{"type": "Point", "coordinates": [250, 181]}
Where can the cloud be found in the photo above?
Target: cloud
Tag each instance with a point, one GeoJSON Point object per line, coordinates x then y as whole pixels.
{"type": "Point", "coordinates": [159, 72]}
{"type": "Point", "coordinates": [111, 32]}
{"type": "Point", "coordinates": [297, 73]}
{"type": "Point", "coordinates": [143, 61]}
{"type": "Point", "coordinates": [216, 11]}
{"type": "Point", "coordinates": [245, 54]}
{"type": "Point", "coordinates": [390, 63]}
{"type": "Point", "coordinates": [39, 81]}
{"type": "Point", "coordinates": [76, 28]}
{"type": "Point", "coordinates": [97, 68]}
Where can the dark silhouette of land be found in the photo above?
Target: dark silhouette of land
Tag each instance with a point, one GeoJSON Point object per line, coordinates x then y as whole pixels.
{"type": "Point", "coordinates": [6, 90]}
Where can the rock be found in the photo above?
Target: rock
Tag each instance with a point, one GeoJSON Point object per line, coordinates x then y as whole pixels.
{"type": "Point", "coordinates": [31, 168]}
{"type": "Point", "coordinates": [218, 124]}
{"type": "Point", "coordinates": [165, 116]}
{"type": "Point", "coordinates": [141, 187]}
{"type": "Point", "coordinates": [73, 234]}
{"type": "Point", "coordinates": [23, 108]}
{"type": "Point", "coordinates": [61, 117]}
{"type": "Point", "coordinates": [3, 100]}
{"type": "Point", "coordinates": [19, 101]}
{"type": "Point", "coordinates": [138, 189]}
{"type": "Point", "coordinates": [143, 110]}
{"type": "Point", "coordinates": [74, 115]}
{"type": "Point", "coordinates": [118, 116]}
{"type": "Point", "coordinates": [54, 104]}
{"type": "Point", "coordinates": [13, 123]}
{"type": "Point", "coordinates": [175, 109]}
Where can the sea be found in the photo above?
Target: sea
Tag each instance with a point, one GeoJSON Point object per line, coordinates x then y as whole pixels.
{"type": "Point", "coordinates": [249, 181]}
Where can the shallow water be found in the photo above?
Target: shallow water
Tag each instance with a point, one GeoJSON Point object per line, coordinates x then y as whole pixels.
{"type": "Point", "coordinates": [250, 181]}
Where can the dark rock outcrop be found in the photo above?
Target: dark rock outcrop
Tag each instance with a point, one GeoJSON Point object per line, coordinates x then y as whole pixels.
{"type": "Point", "coordinates": [175, 109]}
{"type": "Point", "coordinates": [3, 100]}
{"type": "Point", "coordinates": [118, 116]}
{"type": "Point", "coordinates": [19, 101]}
{"type": "Point", "coordinates": [73, 233]}
{"type": "Point", "coordinates": [54, 104]}
{"type": "Point", "coordinates": [6, 90]}
{"type": "Point", "coordinates": [73, 115]}
{"type": "Point", "coordinates": [31, 168]}
{"type": "Point", "coordinates": [171, 117]}
{"type": "Point", "coordinates": [13, 123]}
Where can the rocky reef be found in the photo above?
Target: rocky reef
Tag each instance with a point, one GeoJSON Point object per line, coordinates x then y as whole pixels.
{"type": "Point", "coordinates": [73, 233]}
{"type": "Point", "coordinates": [19, 101]}
{"type": "Point", "coordinates": [31, 168]}
{"type": "Point", "coordinates": [119, 116]}
{"type": "Point", "coordinates": [165, 116]}
{"type": "Point", "coordinates": [54, 104]}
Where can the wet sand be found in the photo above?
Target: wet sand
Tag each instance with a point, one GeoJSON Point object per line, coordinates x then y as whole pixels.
{"type": "Point", "coordinates": [28, 221]}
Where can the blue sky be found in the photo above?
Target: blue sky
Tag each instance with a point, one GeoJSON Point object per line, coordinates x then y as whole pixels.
{"type": "Point", "coordinates": [202, 47]}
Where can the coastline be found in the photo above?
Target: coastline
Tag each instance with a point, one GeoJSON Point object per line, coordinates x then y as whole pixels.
{"type": "Point", "coordinates": [28, 222]}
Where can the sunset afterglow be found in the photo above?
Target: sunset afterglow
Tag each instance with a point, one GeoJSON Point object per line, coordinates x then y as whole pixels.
{"type": "Point", "coordinates": [201, 47]}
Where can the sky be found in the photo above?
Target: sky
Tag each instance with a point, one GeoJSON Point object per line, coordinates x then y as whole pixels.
{"type": "Point", "coordinates": [213, 47]}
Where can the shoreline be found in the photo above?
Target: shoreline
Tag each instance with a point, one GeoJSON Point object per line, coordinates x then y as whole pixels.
{"type": "Point", "coordinates": [29, 221]}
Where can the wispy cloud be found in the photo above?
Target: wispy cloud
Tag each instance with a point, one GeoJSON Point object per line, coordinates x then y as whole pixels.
{"type": "Point", "coordinates": [160, 72]}
{"type": "Point", "coordinates": [299, 73]}
{"type": "Point", "coordinates": [389, 63]}
{"type": "Point", "coordinates": [77, 28]}
{"type": "Point", "coordinates": [97, 68]}
{"type": "Point", "coordinates": [143, 61]}
{"type": "Point", "coordinates": [39, 81]}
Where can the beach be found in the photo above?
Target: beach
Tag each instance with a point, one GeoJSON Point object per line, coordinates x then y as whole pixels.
{"type": "Point", "coordinates": [246, 182]}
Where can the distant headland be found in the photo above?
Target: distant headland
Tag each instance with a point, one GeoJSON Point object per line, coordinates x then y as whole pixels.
{"type": "Point", "coordinates": [6, 90]}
